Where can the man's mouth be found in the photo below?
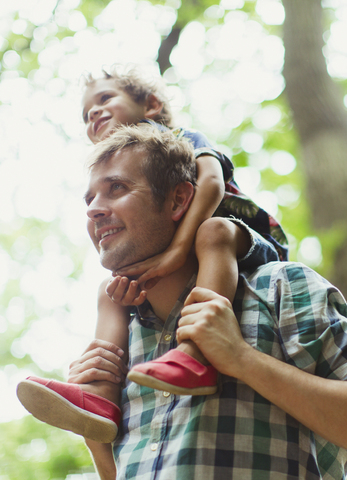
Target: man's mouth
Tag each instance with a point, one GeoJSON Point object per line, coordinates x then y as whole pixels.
{"type": "Point", "coordinates": [111, 231]}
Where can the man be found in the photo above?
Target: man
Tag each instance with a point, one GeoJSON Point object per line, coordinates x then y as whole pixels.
{"type": "Point", "coordinates": [281, 408]}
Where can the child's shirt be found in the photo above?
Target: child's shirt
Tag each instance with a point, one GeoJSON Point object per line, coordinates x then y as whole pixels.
{"type": "Point", "coordinates": [237, 204]}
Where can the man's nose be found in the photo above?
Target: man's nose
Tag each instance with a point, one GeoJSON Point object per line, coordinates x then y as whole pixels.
{"type": "Point", "coordinates": [98, 209]}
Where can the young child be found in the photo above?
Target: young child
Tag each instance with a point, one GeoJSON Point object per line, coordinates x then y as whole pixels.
{"type": "Point", "coordinates": [91, 409]}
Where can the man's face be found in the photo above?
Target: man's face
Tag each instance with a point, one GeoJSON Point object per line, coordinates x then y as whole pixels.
{"type": "Point", "coordinates": [125, 224]}
{"type": "Point", "coordinates": [105, 107]}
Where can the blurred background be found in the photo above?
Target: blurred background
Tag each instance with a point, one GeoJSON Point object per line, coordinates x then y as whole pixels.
{"type": "Point", "coordinates": [265, 80]}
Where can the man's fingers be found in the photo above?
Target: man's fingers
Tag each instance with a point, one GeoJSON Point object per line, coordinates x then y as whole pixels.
{"type": "Point", "coordinates": [191, 309]}
{"type": "Point", "coordinates": [184, 333]}
{"type": "Point", "coordinates": [101, 351]}
{"type": "Point", "coordinates": [98, 343]}
{"type": "Point", "coordinates": [97, 364]}
{"type": "Point", "coordinates": [94, 375]}
{"type": "Point", "coordinates": [199, 294]}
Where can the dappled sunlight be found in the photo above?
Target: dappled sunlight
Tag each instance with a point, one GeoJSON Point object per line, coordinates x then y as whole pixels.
{"type": "Point", "coordinates": [225, 79]}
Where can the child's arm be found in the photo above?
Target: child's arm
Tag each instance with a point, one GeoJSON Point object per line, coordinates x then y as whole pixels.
{"type": "Point", "coordinates": [113, 315]}
{"type": "Point", "coordinates": [208, 194]}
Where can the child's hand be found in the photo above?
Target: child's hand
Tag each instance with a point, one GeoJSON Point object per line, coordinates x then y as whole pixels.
{"type": "Point", "coordinates": [125, 292]}
{"type": "Point", "coordinates": [150, 271]}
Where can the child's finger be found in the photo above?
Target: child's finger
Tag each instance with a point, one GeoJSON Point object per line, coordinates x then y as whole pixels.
{"type": "Point", "coordinates": [130, 293]}
{"type": "Point", "coordinates": [112, 285]}
{"type": "Point", "coordinates": [140, 299]}
{"type": "Point", "coordinates": [135, 269]}
{"type": "Point", "coordinates": [134, 296]}
{"type": "Point", "coordinates": [120, 290]}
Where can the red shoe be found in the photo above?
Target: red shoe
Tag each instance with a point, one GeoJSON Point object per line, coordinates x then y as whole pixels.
{"type": "Point", "coordinates": [178, 373]}
{"type": "Point", "coordinates": [67, 406]}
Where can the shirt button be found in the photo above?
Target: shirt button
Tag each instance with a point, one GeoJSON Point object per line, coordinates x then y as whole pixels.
{"type": "Point", "coordinates": [166, 394]}
{"type": "Point", "coordinates": [154, 447]}
{"type": "Point", "coordinates": [167, 338]}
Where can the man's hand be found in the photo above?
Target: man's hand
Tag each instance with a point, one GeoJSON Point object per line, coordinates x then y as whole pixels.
{"type": "Point", "coordinates": [124, 292]}
{"type": "Point", "coordinates": [209, 321]}
{"type": "Point", "coordinates": [150, 271]}
{"type": "Point", "coordinates": [101, 361]}
{"type": "Point", "coordinates": [212, 325]}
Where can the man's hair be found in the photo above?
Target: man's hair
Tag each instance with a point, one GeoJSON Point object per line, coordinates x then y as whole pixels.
{"type": "Point", "coordinates": [168, 160]}
{"type": "Point", "coordinates": [130, 80]}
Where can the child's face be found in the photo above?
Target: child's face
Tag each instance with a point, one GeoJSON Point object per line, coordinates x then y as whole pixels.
{"type": "Point", "coordinates": [105, 107]}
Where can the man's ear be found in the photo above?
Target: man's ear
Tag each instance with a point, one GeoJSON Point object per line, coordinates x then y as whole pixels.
{"type": "Point", "coordinates": [182, 196]}
{"type": "Point", "coordinates": [153, 107]}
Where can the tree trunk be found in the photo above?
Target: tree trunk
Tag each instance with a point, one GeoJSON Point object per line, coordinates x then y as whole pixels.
{"type": "Point", "coordinates": [166, 48]}
{"type": "Point", "coordinates": [321, 120]}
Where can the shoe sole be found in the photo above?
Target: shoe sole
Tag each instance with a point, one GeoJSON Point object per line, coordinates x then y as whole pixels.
{"type": "Point", "coordinates": [50, 407]}
{"type": "Point", "coordinates": [151, 382]}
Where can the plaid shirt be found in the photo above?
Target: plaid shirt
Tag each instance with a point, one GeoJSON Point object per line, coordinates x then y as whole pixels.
{"type": "Point", "coordinates": [285, 310]}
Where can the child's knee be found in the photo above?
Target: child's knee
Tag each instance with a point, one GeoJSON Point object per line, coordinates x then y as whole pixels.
{"type": "Point", "coordinates": [215, 233]}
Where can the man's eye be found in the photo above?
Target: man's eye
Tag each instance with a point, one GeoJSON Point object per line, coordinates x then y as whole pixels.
{"type": "Point", "coordinates": [116, 186]}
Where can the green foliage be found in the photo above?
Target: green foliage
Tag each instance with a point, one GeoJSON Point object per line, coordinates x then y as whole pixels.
{"type": "Point", "coordinates": [33, 450]}
{"type": "Point", "coordinates": [188, 9]}
{"type": "Point", "coordinates": [92, 9]}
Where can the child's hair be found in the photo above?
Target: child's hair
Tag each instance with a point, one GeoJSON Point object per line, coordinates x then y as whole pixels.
{"type": "Point", "coordinates": [169, 161]}
{"type": "Point", "coordinates": [138, 88]}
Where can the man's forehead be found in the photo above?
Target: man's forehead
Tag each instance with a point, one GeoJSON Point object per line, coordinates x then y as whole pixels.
{"type": "Point", "coordinates": [123, 164]}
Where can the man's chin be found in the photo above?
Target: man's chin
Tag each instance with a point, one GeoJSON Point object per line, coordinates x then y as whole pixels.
{"type": "Point", "coordinates": [111, 263]}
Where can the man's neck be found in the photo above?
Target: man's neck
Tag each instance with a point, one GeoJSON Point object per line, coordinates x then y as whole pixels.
{"type": "Point", "coordinates": [166, 292]}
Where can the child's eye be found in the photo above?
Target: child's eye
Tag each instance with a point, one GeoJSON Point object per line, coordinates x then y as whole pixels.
{"type": "Point", "coordinates": [105, 97]}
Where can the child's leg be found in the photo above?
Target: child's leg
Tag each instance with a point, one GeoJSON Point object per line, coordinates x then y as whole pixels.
{"type": "Point", "coordinates": [88, 409]}
{"type": "Point", "coordinates": [219, 243]}
{"type": "Point", "coordinates": [184, 370]}
{"type": "Point", "coordinates": [112, 326]}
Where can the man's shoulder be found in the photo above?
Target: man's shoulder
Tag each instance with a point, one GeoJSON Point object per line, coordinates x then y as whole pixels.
{"type": "Point", "coordinates": [282, 268]}
{"type": "Point", "coordinates": [276, 274]}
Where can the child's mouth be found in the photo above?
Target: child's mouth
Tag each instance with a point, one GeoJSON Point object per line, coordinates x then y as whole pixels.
{"type": "Point", "coordinates": [100, 124]}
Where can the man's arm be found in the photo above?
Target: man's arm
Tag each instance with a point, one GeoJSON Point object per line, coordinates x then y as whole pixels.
{"type": "Point", "coordinates": [103, 459]}
{"type": "Point", "coordinates": [318, 403]}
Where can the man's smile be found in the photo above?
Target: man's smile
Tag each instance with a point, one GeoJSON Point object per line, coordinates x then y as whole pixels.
{"type": "Point", "coordinates": [110, 232]}
{"type": "Point", "coordinates": [102, 233]}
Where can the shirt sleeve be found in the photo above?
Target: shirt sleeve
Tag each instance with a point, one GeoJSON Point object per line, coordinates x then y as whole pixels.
{"type": "Point", "coordinates": [260, 252]}
{"type": "Point", "coordinates": [203, 147]}
{"type": "Point", "coordinates": [312, 319]}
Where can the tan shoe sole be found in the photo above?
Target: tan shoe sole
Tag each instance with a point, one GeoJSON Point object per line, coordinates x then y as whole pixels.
{"type": "Point", "coordinates": [50, 407]}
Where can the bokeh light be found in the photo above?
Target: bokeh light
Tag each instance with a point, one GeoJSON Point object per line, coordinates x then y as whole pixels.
{"type": "Point", "coordinates": [222, 73]}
